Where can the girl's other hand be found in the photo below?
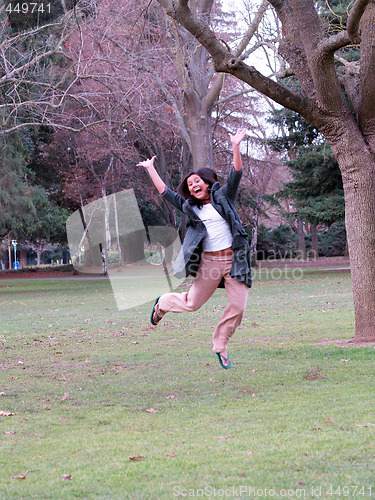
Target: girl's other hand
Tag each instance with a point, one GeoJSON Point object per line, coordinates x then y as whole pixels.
{"type": "Point", "coordinates": [237, 137]}
{"type": "Point", "coordinates": [147, 163]}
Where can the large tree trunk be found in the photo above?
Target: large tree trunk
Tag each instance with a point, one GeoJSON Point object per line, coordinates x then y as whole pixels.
{"type": "Point", "coordinates": [360, 228]}
{"type": "Point", "coordinates": [198, 120]}
{"type": "Point", "coordinates": [359, 187]}
{"type": "Point", "coordinates": [23, 258]}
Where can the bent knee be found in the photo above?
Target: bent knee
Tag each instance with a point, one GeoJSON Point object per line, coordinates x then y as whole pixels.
{"type": "Point", "coordinates": [237, 310]}
{"type": "Point", "coordinates": [193, 306]}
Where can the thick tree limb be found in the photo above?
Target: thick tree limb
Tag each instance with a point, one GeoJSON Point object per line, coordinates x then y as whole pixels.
{"type": "Point", "coordinates": [336, 42]}
{"type": "Point", "coordinates": [285, 73]}
{"type": "Point", "coordinates": [269, 88]}
{"type": "Point", "coordinates": [324, 71]}
{"type": "Point", "coordinates": [214, 91]}
{"type": "Point", "coordinates": [366, 110]}
{"type": "Point", "coordinates": [310, 54]}
{"type": "Point", "coordinates": [355, 15]}
{"type": "Point", "coordinates": [329, 46]}
{"type": "Point", "coordinates": [227, 63]}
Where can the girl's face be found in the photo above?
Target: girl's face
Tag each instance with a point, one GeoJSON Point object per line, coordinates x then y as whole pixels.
{"type": "Point", "coordinates": [198, 188]}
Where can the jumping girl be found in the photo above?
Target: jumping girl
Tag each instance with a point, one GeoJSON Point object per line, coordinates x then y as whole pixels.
{"type": "Point", "coordinates": [215, 250]}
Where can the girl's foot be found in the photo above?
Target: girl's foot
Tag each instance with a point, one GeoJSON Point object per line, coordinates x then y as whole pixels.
{"type": "Point", "coordinates": [224, 359]}
{"type": "Point", "coordinates": [156, 314]}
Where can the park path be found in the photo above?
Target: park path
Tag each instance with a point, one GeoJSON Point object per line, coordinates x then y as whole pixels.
{"type": "Point", "coordinates": [86, 277]}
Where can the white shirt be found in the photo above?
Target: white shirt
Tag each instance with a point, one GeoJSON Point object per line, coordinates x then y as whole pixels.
{"type": "Point", "coordinates": [219, 235]}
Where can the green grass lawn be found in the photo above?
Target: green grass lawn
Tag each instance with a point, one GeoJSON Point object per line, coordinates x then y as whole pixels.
{"type": "Point", "coordinates": [90, 387]}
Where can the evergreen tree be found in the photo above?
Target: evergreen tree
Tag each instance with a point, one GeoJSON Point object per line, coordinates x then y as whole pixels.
{"type": "Point", "coordinates": [25, 209]}
{"type": "Point", "coordinates": [16, 203]}
{"type": "Point", "coordinates": [316, 190]}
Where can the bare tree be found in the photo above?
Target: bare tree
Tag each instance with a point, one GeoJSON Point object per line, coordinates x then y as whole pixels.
{"type": "Point", "coordinates": [201, 86]}
{"type": "Point", "coordinates": [163, 92]}
{"type": "Point", "coordinates": [42, 75]}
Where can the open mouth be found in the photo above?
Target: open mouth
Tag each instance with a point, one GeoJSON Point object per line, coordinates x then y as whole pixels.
{"type": "Point", "coordinates": [197, 190]}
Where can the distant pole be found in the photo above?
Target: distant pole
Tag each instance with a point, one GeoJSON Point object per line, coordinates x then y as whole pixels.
{"type": "Point", "coordinates": [10, 255]}
{"type": "Point", "coordinates": [16, 264]}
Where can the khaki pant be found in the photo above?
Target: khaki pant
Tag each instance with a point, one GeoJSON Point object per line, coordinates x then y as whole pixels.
{"type": "Point", "coordinates": [211, 270]}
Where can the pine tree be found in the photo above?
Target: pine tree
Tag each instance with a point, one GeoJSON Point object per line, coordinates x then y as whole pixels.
{"type": "Point", "coordinates": [315, 191]}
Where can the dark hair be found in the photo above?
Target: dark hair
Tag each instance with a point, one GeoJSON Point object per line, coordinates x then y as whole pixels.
{"type": "Point", "coordinates": [208, 175]}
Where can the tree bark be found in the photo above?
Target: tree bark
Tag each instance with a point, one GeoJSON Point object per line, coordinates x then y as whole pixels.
{"type": "Point", "coordinates": [117, 231]}
{"type": "Point", "coordinates": [254, 244]}
{"type": "Point", "coordinates": [199, 125]}
{"type": "Point", "coordinates": [103, 254]}
{"type": "Point", "coordinates": [314, 241]}
{"type": "Point", "coordinates": [39, 255]}
{"type": "Point", "coordinates": [359, 187]}
{"type": "Point", "coordinates": [301, 251]}
{"type": "Point", "coordinates": [254, 230]}
{"type": "Point", "coordinates": [23, 258]}
{"type": "Point", "coordinates": [133, 247]}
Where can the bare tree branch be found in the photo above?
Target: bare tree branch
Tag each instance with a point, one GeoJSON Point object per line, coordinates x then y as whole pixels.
{"type": "Point", "coordinates": [10, 76]}
{"type": "Point", "coordinates": [355, 15]}
{"type": "Point", "coordinates": [225, 62]}
{"type": "Point", "coordinates": [252, 28]}
{"type": "Point", "coordinates": [35, 31]}
{"type": "Point", "coordinates": [56, 125]}
{"type": "Point", "coordinates": [328, 46]}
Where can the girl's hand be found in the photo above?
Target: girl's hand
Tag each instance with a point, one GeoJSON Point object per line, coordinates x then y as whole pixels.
{"type": "Point", "coordinates": [237, 137]}
{"type": "Point", "coordinates": [147, 163]}
{"type": "Point", "coordinates": [155, 177]}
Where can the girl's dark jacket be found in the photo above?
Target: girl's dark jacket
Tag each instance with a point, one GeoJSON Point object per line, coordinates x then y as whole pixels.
{"type": "Point", "coordinates": [222, 199]}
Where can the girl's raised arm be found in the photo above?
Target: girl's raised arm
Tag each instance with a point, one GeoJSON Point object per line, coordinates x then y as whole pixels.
{"type": "Point", "coordinates": [236, 141]}
{"type": "Point", "coordinates": [155, 177]}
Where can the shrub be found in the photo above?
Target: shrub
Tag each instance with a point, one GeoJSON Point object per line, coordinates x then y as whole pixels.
{"type": "Point", "coordinates": [112, 257]}
{"type": "Point", "coordinates": [277, 243]}
{"type": "Point", "coordinates": [153, 256]}
{"type": "Point", "coordinates": [332, 241]}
